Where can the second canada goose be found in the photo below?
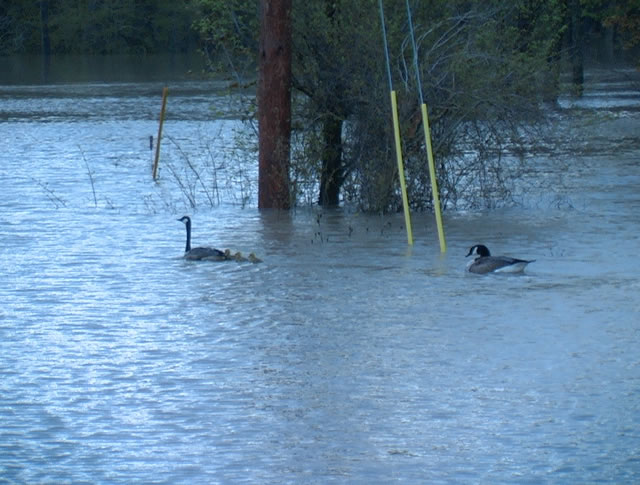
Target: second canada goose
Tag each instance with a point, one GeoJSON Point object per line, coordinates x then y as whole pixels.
{"type": "Point", "coordinates": [485, 263]}
{"type": "Point", "coordinates": [200, 253]}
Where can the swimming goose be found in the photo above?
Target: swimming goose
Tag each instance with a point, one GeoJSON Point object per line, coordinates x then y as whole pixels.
{"type": "Point", "coordinates": [201, 253]}
{"type": "Point", "coordinates": [485, 263]}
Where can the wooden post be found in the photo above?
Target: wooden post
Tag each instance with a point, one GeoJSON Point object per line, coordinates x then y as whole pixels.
{"type": "Point", "coordinates": [165, 93]}
{"type": "Point", "coordinates": [274, 104]}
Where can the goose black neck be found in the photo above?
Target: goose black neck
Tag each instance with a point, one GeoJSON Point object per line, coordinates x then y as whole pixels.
{"type": "Point", "coordinates": [188, 226]}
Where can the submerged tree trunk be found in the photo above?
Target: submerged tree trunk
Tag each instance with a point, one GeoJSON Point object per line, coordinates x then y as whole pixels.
{"type": "Point", "coordinates": [332, 173]}
{"type": "Point", "coordinates": [331, 176]}
{"type": "Point", "coordinates": [274, 104]}
{"type": "Point", "coordinates": [576, 47]}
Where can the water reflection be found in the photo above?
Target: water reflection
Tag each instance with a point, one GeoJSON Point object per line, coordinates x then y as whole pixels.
{"type": "Point", "coordinates": [24, 69]}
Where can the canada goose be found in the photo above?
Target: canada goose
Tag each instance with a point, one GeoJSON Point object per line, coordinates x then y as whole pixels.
{"type": "Point", "coordinates": [201, 253]}
{"type": "Point", "coordinates": [485, 263]}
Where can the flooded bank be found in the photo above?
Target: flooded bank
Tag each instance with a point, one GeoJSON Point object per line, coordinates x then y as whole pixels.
{"type": "Point", "coordinates": [346, 356]}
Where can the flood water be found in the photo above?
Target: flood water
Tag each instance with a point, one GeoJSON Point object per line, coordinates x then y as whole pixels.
{"type": "Point", "coordinates": [346, 356]}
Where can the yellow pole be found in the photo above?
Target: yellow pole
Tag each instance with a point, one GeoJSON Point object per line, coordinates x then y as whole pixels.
{"type": "Point", "coordinates": [403, 184]}
{"type": "Point", "coordinates": [434, 180]}
{"type": "Point", "coordinates": [165, 93]}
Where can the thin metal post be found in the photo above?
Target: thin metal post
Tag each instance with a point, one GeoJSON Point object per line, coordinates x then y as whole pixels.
{"type": "Point", "coordinates": [396, 133]}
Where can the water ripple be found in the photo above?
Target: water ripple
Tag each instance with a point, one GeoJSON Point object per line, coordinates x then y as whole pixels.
{"type": "Point", "coordinates": [344, 358]}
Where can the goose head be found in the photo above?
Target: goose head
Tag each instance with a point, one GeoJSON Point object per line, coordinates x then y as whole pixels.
{"type": "Point", "coordinates": [479, 249]}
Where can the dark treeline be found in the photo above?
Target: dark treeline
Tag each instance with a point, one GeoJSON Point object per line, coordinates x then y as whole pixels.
{"type": "Point", "coordinates": [152, 26]}
{"type": "Point", "coordinates": [97, 27]}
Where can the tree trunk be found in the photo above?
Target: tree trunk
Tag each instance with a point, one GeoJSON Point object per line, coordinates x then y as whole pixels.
{"type": "Point", "coordinates": [331, 176]}
{"type": "Point", "coordinates": [609, 44]}
{"type": "Point", "coordinates": [46, 42]}
{"type": "Point", "coordinates": [576, 47]}
{"type": "Point", "coordinates": [274, 104]}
